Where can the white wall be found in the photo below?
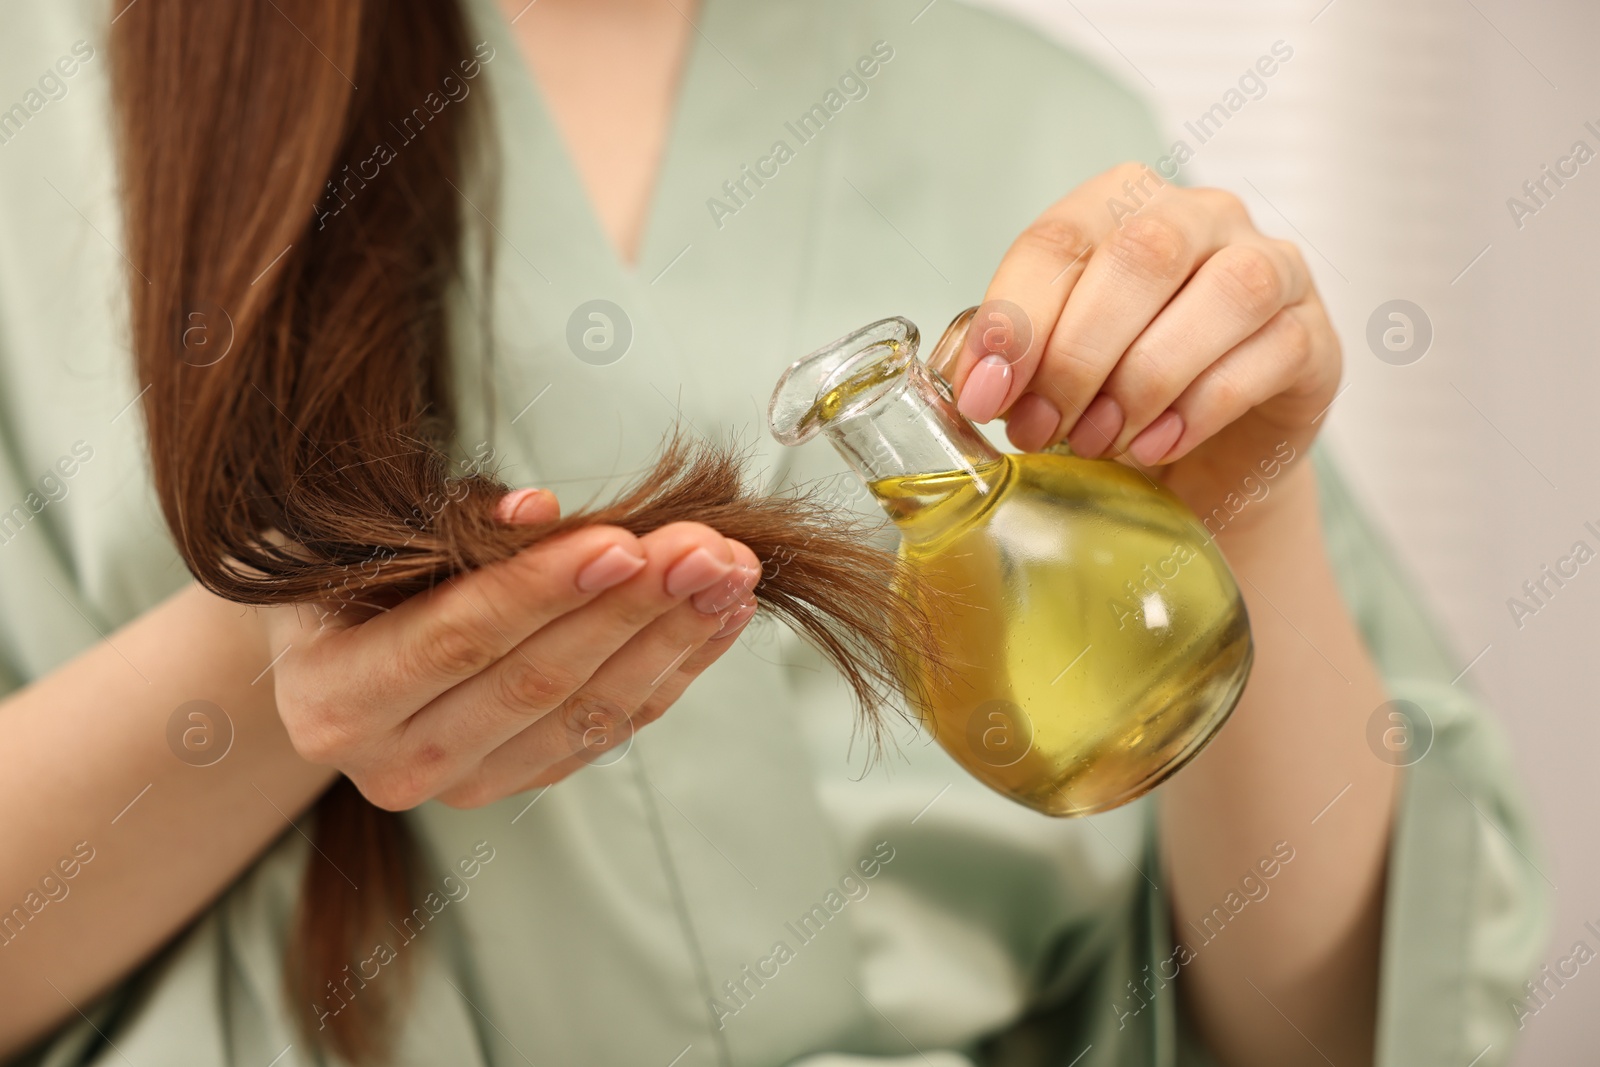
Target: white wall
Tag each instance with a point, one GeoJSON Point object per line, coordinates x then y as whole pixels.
{"type": "Point", "coordinates": [1389, 145]}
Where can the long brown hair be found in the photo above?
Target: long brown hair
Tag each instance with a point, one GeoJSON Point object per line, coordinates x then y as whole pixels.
{"type": "Point", "coordinates": [313, 455]}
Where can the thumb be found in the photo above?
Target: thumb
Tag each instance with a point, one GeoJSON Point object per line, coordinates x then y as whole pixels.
{"type": "Point", "coordinates": [527, 507]}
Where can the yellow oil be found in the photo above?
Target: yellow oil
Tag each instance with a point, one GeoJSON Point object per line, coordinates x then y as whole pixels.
{"type": "Point", "coordinates": [1093, 637]}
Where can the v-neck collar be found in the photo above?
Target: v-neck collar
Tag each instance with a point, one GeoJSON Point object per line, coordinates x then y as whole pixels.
{"type": "Point", "coordinates": [750, 66]}
{"type": "Point", "coordinates": [562, 160]}
{"type": "Point", "coordinates": [714, 303]}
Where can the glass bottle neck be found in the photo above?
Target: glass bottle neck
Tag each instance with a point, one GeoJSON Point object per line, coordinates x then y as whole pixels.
{"type": "Point", "coordinates": [913, 429]}
{"type": "Point", "coordinates": [894, 421]}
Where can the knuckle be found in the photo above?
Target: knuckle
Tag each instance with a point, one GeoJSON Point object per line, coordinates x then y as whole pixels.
{"type": "Point", "coordinates": [1249, 279]}
{"type": "Point", "coordinates": [420, 774]}
{"type": "Point", "coordinates": [1227, 392]}
{"type": "Point", "coordinates": [1223, 203]}
{"type": "Point", "coordinates": [1142, 394]}
{"type": "Point", "coordinates": [651, 712]}
{"type": "Point", "coordinates": [593, 724]}
{"type": "Point", "coordinates": [1054, 236]}
{"type": "Point", "coordinates": [526, 685]}
{"type": "Point", "coordinates": [1299, 271]}
{"type": "Point", "coordinates": [1151, 246]}
{"type": "Point", "coordinates": [1294, 336]}
{"type": "Point", "coordinates": [451, 648]}
{"type": "Point", "coordinates": [312, 743]}
{"type": "Point", "coordinates": [315, 732]}
{"type": "Point", "coordinates": [1289, 251]}
{"type": "Point", "coordinates": [1073, 362]}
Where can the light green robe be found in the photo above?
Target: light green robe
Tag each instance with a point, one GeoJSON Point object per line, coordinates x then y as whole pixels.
{"type": "Point", "coordinates": [621, 909]}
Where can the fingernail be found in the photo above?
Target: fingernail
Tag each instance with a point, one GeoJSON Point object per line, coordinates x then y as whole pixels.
{"type": "Point", "coordinates": [1157, 439]}
{"type": "Point", "coordinates": [612, 567]}
{"type": "Point", "coordinates": [694, 572]}
{"type": "Point", "coordinates": [728, 592]}
{"type": "Point", "coordinates": [1033, 421]}
{"type": "Point", "coordinates": [985, 389]}
{"type": "Point", "coordinates": [740, 616]}
{"type": "Point", "coordinates": [519, 505]}
{"type": "Point", "coordinates": [1097, 429]}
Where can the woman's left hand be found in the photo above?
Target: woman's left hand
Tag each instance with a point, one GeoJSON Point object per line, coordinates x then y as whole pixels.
{"type": "Point", "coordinates": [1168, 332]}
{"type": "Point", "coordinates": [1160, 327]}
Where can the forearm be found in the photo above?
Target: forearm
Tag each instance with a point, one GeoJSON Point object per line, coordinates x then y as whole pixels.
{"type": "Point", "coordinates": [1298, 967]}
{"type": "Point", "coordinates": [88, 761]}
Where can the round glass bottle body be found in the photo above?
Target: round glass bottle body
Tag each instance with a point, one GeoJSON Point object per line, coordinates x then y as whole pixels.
{"type": "Point", "coordinates": [1092, 638]}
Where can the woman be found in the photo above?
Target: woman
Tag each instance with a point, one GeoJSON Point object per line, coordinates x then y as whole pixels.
{"type": "Point", "coordinates": [724, 887]}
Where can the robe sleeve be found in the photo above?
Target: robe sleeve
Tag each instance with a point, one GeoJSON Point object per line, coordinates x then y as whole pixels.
{"type": "Point", "coordinates": [1467, 911]}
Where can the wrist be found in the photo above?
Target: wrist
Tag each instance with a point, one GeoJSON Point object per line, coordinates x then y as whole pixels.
{"type": "Point", "coordinates": [1283, 512]}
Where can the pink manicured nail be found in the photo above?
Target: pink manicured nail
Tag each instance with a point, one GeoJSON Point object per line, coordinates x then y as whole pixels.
{"type": "Point", "coordinates": [740, 616]}
{"type": "Point", "coordinates": [1098, 428]}
{"type": "Point", "coordinates": [1033, 421]}
{"type": "Point", "coordinates": [728, 592]}
{"type": "Point", "coordinates": [718, 598]}
{"type": "Point", "coordinates": [1157, 439]}
{"type": "Point", "coordinates": [985, 389]}
{"type": "Point", "coordinates": [612, 567]}
{"type": "Point", "coordinates": [696, 571]}
{"type": "Point", "coordinates": [519, 505]}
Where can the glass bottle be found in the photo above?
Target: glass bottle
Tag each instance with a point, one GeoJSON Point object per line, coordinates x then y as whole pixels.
{"type": "Point", "coordinates": [1093, 638]}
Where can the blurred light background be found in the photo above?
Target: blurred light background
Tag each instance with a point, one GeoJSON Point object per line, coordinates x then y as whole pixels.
{"type": "Point", "coordinates": [1388, 147]}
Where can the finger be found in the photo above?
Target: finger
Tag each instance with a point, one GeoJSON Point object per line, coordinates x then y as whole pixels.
{"type": "Point", "coordinates": [1230, 297]}
{"type": "Point", "coordinates": [1129, 279]}
{"type": "Point", "coordinates": [1292, 356]}
{"type": "Point", "coordinates": [1031, 286]}
{"type": "Point", "coordinates": [733, 621]}
{"type": "Point", "coordinates": [685, 560]}
{"type": "Point", "coordinates": [528, 507]}
{"type": "Point", "coordinates": [602, 715]}
{"type": "Point", "coordinates": [407, 656]}
{"type": "Point", "coordinates": [665, 695]}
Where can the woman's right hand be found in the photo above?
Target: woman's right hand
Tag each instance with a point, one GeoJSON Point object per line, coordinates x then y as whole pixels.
{"type": "Point", "coordinates": [516, 674]}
